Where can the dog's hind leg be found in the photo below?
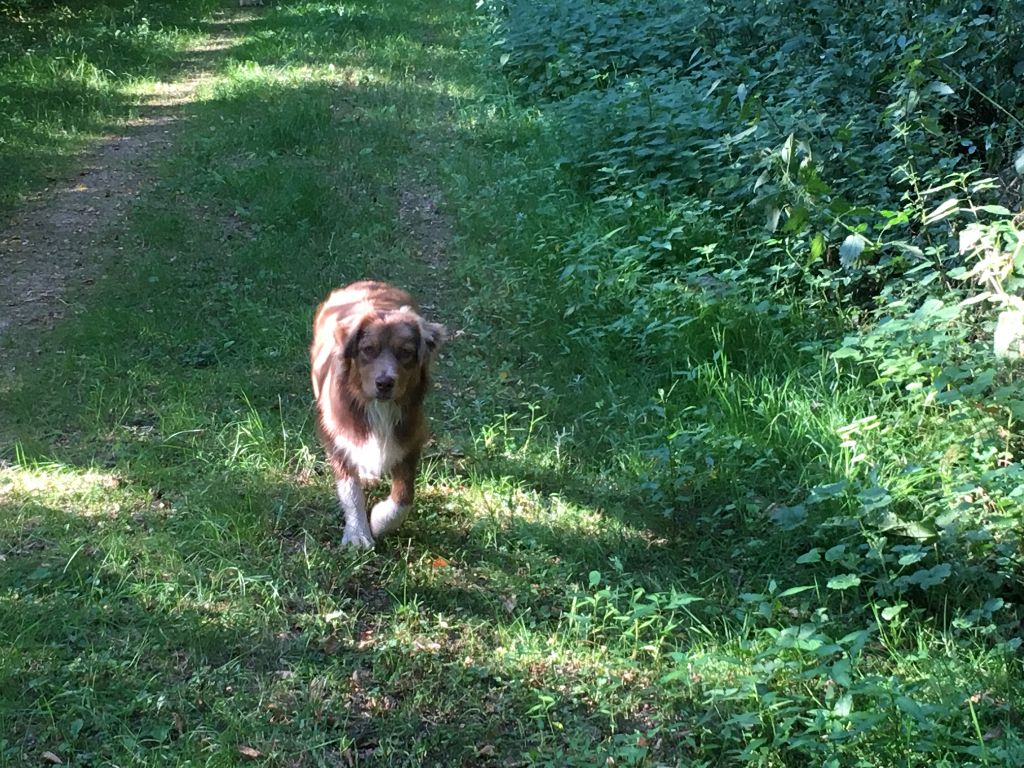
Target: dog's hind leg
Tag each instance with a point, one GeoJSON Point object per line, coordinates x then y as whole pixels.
{"type": "Point", "coordinates": [387, 515]}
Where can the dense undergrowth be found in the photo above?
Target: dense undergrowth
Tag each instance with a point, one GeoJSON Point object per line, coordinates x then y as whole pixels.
{"type": "Point", "coordinates": [799, 226]}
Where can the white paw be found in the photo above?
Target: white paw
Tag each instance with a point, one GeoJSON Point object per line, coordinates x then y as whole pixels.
{"type": "Point", "coordinates": [360, 539]}
{"type": "Point", "coordinates": [386, 516]}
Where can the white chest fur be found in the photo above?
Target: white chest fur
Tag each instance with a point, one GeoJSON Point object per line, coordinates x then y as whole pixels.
{"type": "Point", "coordinates": [381, 450]}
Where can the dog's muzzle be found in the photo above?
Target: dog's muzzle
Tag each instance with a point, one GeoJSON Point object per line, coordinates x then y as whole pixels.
{"type": "Point", "coordinates": [385, 387]}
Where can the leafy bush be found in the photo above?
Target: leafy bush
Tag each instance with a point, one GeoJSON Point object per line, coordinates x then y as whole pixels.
{"type": "Point", "coordinates": [793, 160]}
{"type": "Point", "coordinates": [802, 219]}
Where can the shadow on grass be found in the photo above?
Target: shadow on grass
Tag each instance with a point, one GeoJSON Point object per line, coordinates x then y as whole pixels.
{"type": "Point", "coordinates": [192, 625]}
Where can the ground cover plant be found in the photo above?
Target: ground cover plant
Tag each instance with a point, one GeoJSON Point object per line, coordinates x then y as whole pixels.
{"type": "Point", "coordinates": [727, 457]}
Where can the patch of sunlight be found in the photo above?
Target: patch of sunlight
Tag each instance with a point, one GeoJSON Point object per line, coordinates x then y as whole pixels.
{"type": "Point", "coordinates": [522, 505]}
{"type": "Point", "coordinates": [166, 93]}
{"type": "Point", "coordinates": [246, 74]}
{"type": "Point", "coordinates": [200, 57]}
{"type": "Point", "coordinates": [557, 655]}
{"type": "Point", "coordinates": [57, 484]}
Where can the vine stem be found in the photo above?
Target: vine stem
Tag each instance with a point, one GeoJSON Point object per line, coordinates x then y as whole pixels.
{"type": "Point", "coordinates": [984, 95]}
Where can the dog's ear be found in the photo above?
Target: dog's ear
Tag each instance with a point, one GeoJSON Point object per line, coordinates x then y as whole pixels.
{"type": "Point", "coordinates": [347, 334]}
{"type": "Point", "coordinates": [432, 335]}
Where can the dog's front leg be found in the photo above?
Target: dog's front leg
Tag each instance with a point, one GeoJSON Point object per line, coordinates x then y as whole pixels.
{"type": "Point", "coordinates": [353, 504]}
{"type": "Point", "coordinates": [387, 515]}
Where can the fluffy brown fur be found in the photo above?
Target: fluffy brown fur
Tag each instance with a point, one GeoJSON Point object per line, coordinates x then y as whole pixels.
{"type": "Point", "coordinates": [371, 358]}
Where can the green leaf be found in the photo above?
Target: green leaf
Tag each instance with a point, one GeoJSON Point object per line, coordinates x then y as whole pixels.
{"type": "Point", "coordinates": [915, 556]}
{"type": "Point", "coordinates": [820, 493]}
{"type": "Point", "coordinates": [797, 218]}
{"type": "Point", "coordinates": [920, 530]}
{"type": "Point", "coordinates": [996, 209]}
{"type": "Point", "coordinates": [817, 246]}
{"type": "Point", "coordinates": [835, 553]}
{"type": "Point", "coordinates": [874, 498]}
{"type": "Point", "coordinates": [787, 152]}
{"type": "Point", "coordinates": [811, 556]}
{"type": "Point", "coordinates": [912, 708]}
{"type": "Point", "coordinates": [680, 599]}
{"type": "Point", "coordinates": [939, 88]}
{"type": "Point", "coordinates": [840, 206]}
{"type": "Point", "coordinates": [926, 578]}
{"type": "Point", "coordinates": [675, 674]}
{"type": "Point", "coordinates": [891, 612]}
{"type": "Point", "coordinates": [795, 591]}
{"type": "Point", "coordinates": [1006, 341]}
{"type": "Point", "coordinates": [788, 518]}
{"type": "Point", "coordinates": [844, 704]}
{"type": "Point", "coordinates": [850, 353]}
{"type": "Point", "coordinates": [845, 581]}
{"type": "Point", "coordinates": [947, 208]}
{"type": "Point", "coordinates": [840, 672]}
{"type": "Point", "coordinates": [909, 249]}
{"type": "Point", "coordinates": [595, 578]}
{"type": "Point", "coordinates": [802, 638]}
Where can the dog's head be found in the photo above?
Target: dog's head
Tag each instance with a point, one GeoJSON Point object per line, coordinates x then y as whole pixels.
{"type": "Point", "coordinates": [388, 353]}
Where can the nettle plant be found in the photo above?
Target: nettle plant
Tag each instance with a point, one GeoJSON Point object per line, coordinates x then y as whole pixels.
{"type": "Point", "coordinates": [944, 337]}
{"type": "Point", "coordinates": [777, 155]}
{"type": "Point", "coordinates": [830, 136]}
{"type": "Point", "coordinates": [726, 101]}
{"type": "Point", "coordinates": [996, 249]}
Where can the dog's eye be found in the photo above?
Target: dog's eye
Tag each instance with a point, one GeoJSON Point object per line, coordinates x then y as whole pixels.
{"type": "Point", "coordinates": [406, 353]}
{"type": "Point", "coordinates": [368, 351]}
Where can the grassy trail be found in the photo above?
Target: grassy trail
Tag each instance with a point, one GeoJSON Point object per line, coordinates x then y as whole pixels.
{"type": "Point", "coordinates": [172, 589]}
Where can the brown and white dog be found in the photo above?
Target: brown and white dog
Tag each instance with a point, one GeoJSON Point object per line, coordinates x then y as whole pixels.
{"type": "Point", "coordinates": [371, 358]}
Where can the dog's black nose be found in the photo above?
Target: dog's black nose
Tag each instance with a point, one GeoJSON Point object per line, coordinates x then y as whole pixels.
{"type": "Point", "coordinates": [385, 385]}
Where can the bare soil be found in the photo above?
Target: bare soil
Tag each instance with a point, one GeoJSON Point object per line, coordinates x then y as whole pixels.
{"type": "Point", "coordinates": [420, 215]}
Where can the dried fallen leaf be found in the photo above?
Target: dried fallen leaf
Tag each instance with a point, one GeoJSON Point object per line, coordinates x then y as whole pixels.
{"type": "Point", "coordinates": [440, 562]}
{"type": "Point", "coordinates": [330, 644]}
{"type": "Point", "coordinates": [487, 750]}
{"type": "Point", "coordinates": [249, 752]}
{"type": "Point", "coordinates": [51, 758]}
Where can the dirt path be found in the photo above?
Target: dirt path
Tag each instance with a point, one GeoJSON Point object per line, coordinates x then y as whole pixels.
{"type": "Point", "coordinates": [60, 242]}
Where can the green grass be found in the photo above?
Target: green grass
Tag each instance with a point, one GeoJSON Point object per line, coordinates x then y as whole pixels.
{"type": "Point", "coordinates": [599, 567]}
